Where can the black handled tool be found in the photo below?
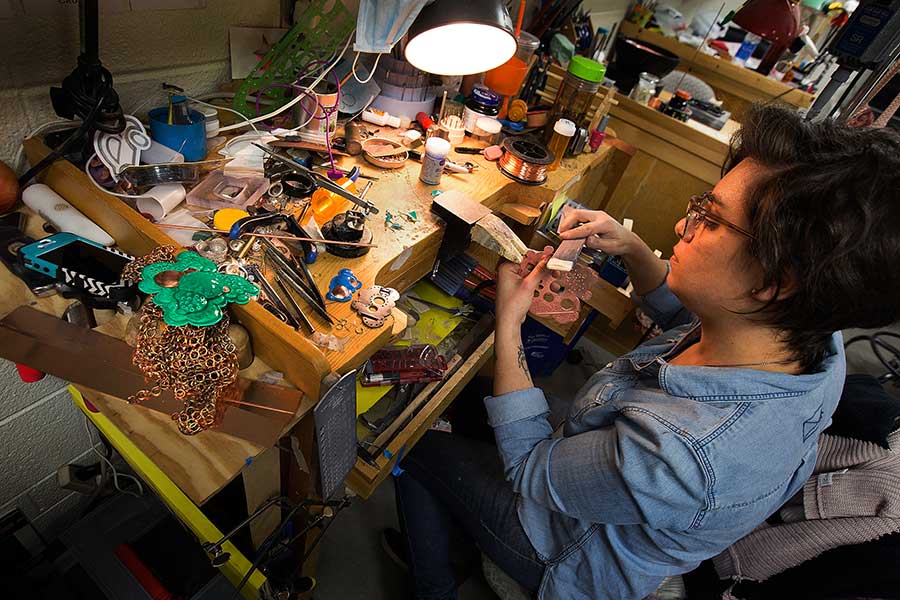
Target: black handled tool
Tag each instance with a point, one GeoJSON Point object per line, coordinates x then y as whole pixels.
{"type": "Point", "coordinates": [321, 180]}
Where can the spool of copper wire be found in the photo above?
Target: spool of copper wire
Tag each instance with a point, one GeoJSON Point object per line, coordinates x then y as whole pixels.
{"type": "Point", "coordinates": [525, 161]}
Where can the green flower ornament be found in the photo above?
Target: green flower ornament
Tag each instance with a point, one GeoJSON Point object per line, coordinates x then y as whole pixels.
{"type": "Point", "coordinates": [191, 291]}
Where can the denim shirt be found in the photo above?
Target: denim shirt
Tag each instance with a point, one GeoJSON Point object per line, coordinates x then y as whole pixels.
{"type": "Point", "coordinates": [660, 466]}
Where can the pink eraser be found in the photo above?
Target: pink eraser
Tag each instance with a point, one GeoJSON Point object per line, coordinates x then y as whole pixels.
{"type": "Point", "coordinates": [493, 152]}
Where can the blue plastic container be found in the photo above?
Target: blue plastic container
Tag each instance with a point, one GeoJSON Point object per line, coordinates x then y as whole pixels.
{"type": "Point", "coordinates": [190, 140]}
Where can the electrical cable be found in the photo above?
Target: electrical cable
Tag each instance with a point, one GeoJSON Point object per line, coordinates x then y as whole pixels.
{"type": "Point", "coordinates": [108, 463]}
{"type": "Point", "coordinates": [231, 110]}
{"type": "Point", "coordinates": [18, 164]}
{"type": "Point", "coordinates": [290, 104]}
{"type": "Point", "coordinates": [89, 121]}
{"type": "Point", "coordinates": [877, 345]}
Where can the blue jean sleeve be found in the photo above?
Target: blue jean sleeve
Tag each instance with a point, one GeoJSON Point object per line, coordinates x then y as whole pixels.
{"type": "Point", "coordinates": [635, 471]}
{"type": "Point", "coordinates": [664, 307]}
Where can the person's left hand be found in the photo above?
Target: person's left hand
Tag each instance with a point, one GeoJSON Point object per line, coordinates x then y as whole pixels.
{"type": "Point", "coordinates": [515, 292]}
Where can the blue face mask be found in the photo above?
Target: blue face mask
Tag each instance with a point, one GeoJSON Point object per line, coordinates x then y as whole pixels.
{"type": "Point", "coordinates": [381, 23]}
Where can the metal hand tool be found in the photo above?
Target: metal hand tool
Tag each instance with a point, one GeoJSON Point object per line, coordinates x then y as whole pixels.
{"type": "Point", "coordinates": [321, 180]}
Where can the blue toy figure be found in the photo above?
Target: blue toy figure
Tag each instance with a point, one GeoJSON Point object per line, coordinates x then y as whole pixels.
{"type": "Point", "coordinates": [342, 286]}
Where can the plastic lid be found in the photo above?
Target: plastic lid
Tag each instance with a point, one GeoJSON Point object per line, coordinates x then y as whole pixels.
{"type": "Point", "coordinates": [684, 95]}
{"type": "Point", "coordinates": [437, 146]}
{"type": "Point", "coordinates": [526, 40]}
{"type": "Point", "coordinates": [489, 126]}
{"type": "Point", "coordinates": [485, 96]}
{"type": "Point", "coordinates": [565, 127]}
{"type": "Point", "coordinates": [587, 69]}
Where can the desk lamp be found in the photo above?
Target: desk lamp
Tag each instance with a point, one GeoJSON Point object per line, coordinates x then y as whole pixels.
{"type": "Point", "coordinates": [461, 37]}
{"type": "Point", "coordinates": [775, 20]}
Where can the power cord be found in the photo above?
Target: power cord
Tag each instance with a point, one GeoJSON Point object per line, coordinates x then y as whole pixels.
{"type": "Point", "coordinates": [77, 136]}
{"type": "Point", "coordinates": [878, 345]}
{"type": "Point", "coordinates": [112, 468]}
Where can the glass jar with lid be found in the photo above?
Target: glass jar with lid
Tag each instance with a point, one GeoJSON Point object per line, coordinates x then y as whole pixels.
{"type": "Point", "coordinates": [645, 88]}
{"type": "Point", "coordinates": [576, 93]}
{"type": "Point", "coordinates": [483, 102]}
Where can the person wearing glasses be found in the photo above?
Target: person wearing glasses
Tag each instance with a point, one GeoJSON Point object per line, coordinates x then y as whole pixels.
{"type": "Point", "coordinates": [678, 449]}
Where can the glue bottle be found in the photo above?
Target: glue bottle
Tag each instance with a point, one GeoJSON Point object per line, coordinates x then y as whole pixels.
{"type": "Point", "coordinates": [436, 151]}
{"type": "Point", "coordinates": [381, 118]}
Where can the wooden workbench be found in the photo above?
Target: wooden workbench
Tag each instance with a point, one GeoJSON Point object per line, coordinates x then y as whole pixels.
{"type": "Point", "coordinates": [736, 86]}
{"type": "Point", "coordinates": [401, 258]}
{"type": "Point", "coordinates": [189, 470]}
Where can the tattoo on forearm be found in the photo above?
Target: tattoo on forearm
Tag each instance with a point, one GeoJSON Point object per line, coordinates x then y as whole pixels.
{"type": "Point", "coordinates": [523, 362]}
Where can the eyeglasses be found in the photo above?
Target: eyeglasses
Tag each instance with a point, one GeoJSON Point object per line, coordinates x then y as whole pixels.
{"type": "Point", "coordinates": [698, 211]}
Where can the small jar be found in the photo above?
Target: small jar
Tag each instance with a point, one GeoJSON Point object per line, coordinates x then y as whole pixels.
{"type": "Point", "coordinates": [482, 103]}
{"type": "Point", "coordinates": [576, 92]}
{"type": "Point", "coordinates": [487, 130]}
{"type": "Point", "coordinates": [645, 88]}
{"type": "Point", "coordinates": [563, 131]}
{"type": "Point", "coordinates": [678, 106]}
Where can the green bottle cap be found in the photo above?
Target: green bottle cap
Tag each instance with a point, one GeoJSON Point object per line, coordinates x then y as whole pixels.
{"type": "Point", "coordinates": [587, 69]}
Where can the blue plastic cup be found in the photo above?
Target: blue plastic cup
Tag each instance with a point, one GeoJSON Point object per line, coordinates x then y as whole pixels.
{"type": "Point", "coordinates": [190, 140]}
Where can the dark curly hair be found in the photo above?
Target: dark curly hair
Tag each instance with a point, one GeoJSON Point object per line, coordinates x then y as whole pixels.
{"type": "Point", "coordinates": [826, 216]}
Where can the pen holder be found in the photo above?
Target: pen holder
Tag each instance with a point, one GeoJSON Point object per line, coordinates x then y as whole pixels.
{"type": "Point", "coordinates": [189, 140]}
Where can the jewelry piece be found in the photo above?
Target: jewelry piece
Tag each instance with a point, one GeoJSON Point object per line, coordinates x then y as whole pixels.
{"type": "Point", "coordinates": [375, 304]}
{"type": "Point", "coordinates": [191, 291]}
{"type": "Point", "coordinates": [198, 363]}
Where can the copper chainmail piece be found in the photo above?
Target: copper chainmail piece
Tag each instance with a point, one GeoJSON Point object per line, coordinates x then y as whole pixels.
{"type": "Point", "coordinates": [199, 364]}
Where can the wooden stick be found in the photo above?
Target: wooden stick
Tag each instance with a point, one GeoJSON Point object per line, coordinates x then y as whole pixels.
{"type": "Point", "coordinates": [292, 238]}
{"type": "Point", "coordinates": [260, 406]}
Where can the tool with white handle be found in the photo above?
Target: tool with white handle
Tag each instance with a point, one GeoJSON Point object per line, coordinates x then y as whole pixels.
{"type": "Point", "coordinates": [62, 215]}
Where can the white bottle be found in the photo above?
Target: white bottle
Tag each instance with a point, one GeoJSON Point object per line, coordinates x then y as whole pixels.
{"type": "Point", "coordinates": [62, 215]}
{"type": "Point", "coordinates": [379, 117]}
{"type": "Point", "coordinates": [436, 151]}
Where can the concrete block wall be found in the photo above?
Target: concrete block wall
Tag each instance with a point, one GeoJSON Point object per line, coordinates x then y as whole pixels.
{"type": "Point", "coordinates": [40, 428]}
{"type": "Point", "coordinates": [142, 48]}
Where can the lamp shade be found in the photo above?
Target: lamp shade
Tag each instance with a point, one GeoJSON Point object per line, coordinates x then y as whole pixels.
{"type": "Point", "coordinates": [461, 37]}
{"type": "Point", "coordinates": [775, 20]}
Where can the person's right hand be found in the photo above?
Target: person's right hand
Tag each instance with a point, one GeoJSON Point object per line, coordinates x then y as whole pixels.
{"type": "Point", "coordinates": [601, 230]}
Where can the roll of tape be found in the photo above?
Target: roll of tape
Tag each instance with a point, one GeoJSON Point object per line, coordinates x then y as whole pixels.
{"type": "Point", "coordinates": [161, 200]}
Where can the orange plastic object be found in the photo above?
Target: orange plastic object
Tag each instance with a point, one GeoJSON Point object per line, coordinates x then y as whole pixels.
{"type": "Point", "coordinates": [506, 80]}
{"type": "Point", "coordinates": [325, 204]}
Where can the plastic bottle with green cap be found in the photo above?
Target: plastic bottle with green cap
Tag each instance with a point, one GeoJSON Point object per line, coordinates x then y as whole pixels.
{"type": "Point", "coordinates": [586, 69]}
{"type": "Point", "coordinates": [576, 92]}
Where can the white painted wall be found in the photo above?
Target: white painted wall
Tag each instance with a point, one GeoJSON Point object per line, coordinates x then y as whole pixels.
{"type": "Point", "coordinates": [40, 428]}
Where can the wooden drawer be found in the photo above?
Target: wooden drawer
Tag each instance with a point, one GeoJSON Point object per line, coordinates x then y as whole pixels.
{"type": "Point", "coordinates": [365, 477]}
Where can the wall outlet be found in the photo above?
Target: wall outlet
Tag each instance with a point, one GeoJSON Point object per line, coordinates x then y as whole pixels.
{"type": "Point", "coordinates": [83, 480]}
